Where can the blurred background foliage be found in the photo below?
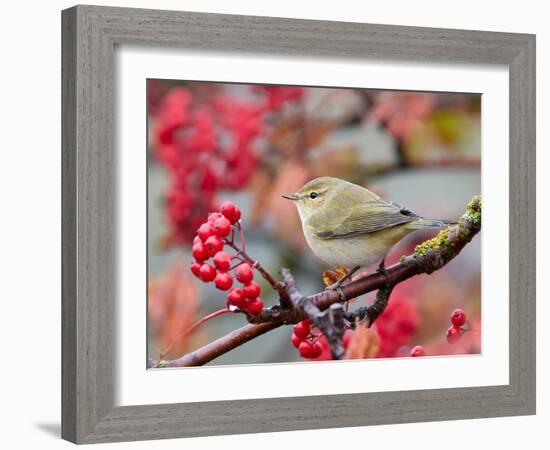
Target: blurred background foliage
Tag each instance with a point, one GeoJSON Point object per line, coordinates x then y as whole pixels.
{"type": "Point", "coordinates": [210, 142]}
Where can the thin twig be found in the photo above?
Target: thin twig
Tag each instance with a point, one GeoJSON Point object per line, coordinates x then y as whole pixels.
{"type": "Point", "coordinates": [277, 285]}
{"type": "Point", "coordinates": [192, 328]}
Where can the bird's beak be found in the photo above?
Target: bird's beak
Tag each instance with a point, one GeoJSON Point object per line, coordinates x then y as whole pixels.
{"type": "Point", "coordinates": [290, 196]}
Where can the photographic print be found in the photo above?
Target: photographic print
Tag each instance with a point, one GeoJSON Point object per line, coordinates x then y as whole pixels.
{"type": "Point", "coordinates": [331, 224]}
{"type": "Point", "coordinates": [298, 224]}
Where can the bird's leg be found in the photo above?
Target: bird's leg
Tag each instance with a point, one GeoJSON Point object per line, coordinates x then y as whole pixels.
{"type": "Point", "coordinates": [336, 286]}
{"type": "Point", "coordinates": [382, 268]}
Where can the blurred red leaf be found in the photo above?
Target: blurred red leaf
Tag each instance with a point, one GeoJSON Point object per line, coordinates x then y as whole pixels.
{"type": "Point", "coordinates": [172, 307]}
{"type": "Point", "coordinates": [401, 111]}
{"type": "Point", "coordinates": [397, 324]}
{"type": "Point", "coordinates": [364, 343]}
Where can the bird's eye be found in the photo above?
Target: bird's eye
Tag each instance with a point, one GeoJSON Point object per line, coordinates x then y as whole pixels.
{"type": "Point", "coordinates": [313, 195]}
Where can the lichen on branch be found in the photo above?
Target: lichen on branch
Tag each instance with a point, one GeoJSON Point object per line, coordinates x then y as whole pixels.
{"type": "Point", "coordinates": [434, 253]}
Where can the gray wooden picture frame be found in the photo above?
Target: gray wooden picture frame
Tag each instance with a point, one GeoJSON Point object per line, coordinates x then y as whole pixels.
{"type": "Point", "coordinates": [90, 34]}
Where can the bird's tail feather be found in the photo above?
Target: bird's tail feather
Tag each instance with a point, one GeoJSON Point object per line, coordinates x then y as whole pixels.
{"type": "Point", "coordinates": [429, 223]}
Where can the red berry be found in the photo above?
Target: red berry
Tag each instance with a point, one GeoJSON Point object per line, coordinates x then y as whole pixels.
{"type": "Point", "coordinates": [199, 252]}
{"type": "Point", "coordinates": [205, 231]}
{"type": "Point", "coordinates": [222, 260]}
{"type": "Point", "coordinates": [418, 351]}
{"type": "Point", "coordinates": [197, 240]}
{"type": "Point", "coordinates": [235, 297]}
{"type": "Point", "coordinates": [255, 306]}
{"type": "Point", "coordinates": [301, 329]}
{"type": "Point", "coordinates": [196, 269]}
{"type": "Point", "coordinates": [296, 341]}
{"type": "Point", "coordinates": [316, 350]}
{"type": "Point", "coordinates": [213, 217]}
{"type": "Point", "coordinates": [230, 211]}
{"type": "Point", "coordinates": [213, 245]}
{"type": "Point", "coordinates": [454, 334]}
{"type": "Point", "coordinates": [306, 349]}
{"type": "Point", "coordinates": [252, 289]}
{"type": "Point", "coordinates": [223, 281]}
{"type": "Point", "coordinates": [222, 227]}
{"type": "Point", "coordinates": [458, 318]}
{"type": "Point", "coordinates": [237, 214]}
{"type": "Point", "coordinates": [207, 272]}
{"type": "Point", "coordinates": [244, 273]}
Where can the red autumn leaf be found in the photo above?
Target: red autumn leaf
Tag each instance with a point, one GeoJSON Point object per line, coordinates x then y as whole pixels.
{"type": "Point", "coordinates": [364, 343]}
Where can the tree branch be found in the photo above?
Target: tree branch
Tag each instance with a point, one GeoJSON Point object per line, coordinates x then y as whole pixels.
{"type": "Point", "coordinates": [330, 321]}
{"type": "Point", "coordinates": [428, 257]}
{"type": "Point", "coordinates": [220, 346]}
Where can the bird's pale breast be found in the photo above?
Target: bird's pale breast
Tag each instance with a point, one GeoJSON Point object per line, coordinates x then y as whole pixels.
{"type": "Point", "coordinates": [362, 250]}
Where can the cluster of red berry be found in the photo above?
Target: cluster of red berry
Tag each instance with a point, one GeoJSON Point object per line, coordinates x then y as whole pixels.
{"type": "Point", "coordinates": [307, 344]}
{"type": "Point", "coordinates": [209, 243]}
{"type": "Point", "coordinates": [205, 148]}
{"type": "Point", "coordinates": [455, 331]}
{"type": "Point", "coordinates": [208, 145]}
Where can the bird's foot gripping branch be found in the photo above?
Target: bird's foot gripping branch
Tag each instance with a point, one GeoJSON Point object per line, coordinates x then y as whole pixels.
{"type": "Point", "coordinates": [316, 316]}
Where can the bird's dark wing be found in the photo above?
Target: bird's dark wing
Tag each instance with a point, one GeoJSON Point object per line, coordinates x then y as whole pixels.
{"type": "Point", "coordinates": [366, 218]}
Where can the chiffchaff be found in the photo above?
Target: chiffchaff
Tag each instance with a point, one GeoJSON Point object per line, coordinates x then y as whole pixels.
{"type": "Point", "coordinates": [348, 226]}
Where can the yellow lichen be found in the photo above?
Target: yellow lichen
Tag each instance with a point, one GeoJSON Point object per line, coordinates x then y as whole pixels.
{"type": "Point", "coordinates": [473, 213]}
{"type": "Point", "coordinates": [436, 244]}
{"type": "Point", "coordinates": [444, 239]}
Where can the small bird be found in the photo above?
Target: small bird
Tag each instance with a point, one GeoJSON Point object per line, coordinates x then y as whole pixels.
{"type": "Point", "coordinates": [347, 225]}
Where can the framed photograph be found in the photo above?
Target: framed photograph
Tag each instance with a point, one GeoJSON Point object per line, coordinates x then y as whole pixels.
{"type": "Point", "coordinates": [277, 224]}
